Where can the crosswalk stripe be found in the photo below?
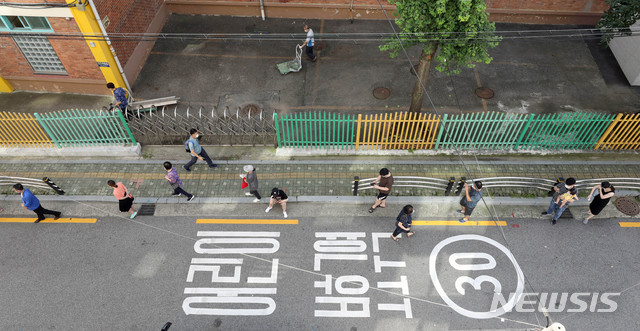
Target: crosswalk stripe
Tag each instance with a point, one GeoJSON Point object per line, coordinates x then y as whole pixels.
{"type": "Point", "coordinates": [246, 221]}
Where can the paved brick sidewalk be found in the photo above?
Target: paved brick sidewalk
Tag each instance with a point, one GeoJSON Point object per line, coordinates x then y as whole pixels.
{"type": "Point", "coordinates": [300, 178]}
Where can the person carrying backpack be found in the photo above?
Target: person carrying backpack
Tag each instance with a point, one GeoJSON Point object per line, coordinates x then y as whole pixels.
{"type": "Point", "coordinates": [192, 146]}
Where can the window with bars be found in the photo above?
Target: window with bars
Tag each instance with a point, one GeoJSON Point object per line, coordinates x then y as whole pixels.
{"type": "Point", "coordinates": [40, 55]}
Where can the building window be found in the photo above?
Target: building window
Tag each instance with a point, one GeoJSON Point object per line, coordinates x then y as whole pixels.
{"type": "Point", "coordinates": [25, 23]}
{"type": "Point", "coordinates": [40, 55]}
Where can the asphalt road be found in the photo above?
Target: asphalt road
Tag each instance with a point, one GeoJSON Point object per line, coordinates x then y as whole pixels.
{"type": "Point", "coordinates": [324, 273]}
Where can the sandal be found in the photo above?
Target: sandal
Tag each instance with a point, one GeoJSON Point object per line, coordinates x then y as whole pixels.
{"type": "Point", "coordinates": [409, 234]}
{"type": "Point", "coordinates": [371, 209]}
{"type": "Point", "coordinates": [395, 239]}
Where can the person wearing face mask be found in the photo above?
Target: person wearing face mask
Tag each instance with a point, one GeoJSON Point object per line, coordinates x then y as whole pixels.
{"type": "Point", "coordinates": [555, 208]}
{"type": "Point", "coordinates": [196, 151]}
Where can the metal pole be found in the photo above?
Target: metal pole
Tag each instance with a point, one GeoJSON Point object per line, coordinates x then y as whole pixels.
{"type": "Point", "coordinates": [356, 181]}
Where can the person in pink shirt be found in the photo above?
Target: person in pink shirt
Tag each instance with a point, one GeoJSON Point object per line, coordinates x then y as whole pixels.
{"type": "Point", "coordinates": [124, 197]}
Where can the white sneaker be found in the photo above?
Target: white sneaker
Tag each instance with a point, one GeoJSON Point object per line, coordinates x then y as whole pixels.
{"type": "Point", "coordinates": [267, 210]}
{"type": "Point", "coordinates": [247, 193]}
{"type": "Point", "coordinates": [285, 214]}
{"type": "Point", "coordinates": [256, 200]}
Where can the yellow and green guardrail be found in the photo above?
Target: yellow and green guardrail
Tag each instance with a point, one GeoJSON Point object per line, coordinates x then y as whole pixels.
{"type": "Point", "coordinates": [486, 130]}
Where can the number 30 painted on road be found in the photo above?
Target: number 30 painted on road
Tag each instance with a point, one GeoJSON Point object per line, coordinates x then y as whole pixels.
{"type": "Point", "coordinates": [475, 282]}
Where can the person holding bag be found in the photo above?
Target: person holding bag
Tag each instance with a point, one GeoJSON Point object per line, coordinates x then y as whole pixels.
{"type": "Point", "coordinates": [125, 198]}
{"type": "Point", "coordinates": [175, 182]}
{"type": "Point", "coordinates": [250, 179]}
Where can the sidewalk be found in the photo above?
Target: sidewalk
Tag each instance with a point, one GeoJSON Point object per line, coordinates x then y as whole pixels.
{"type": "Point", "coordinates": [306, 177]}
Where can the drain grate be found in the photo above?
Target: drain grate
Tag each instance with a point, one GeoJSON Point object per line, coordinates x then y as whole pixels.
{"type": "Point", "coordinates": [484, 92]}
{"type": "Point", "coordinates": [627, 206]}
{"type": "Point", "coordinates": [381, 93]}
{"type": "Point", "coordinates": [147, 210]}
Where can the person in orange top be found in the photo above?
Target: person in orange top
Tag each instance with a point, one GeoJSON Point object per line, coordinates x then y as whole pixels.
{"type": "Point", "coordinates": [124, 197]}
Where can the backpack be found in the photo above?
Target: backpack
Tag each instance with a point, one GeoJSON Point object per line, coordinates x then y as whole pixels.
{"type": "Point", "coordinates": [186, 146]}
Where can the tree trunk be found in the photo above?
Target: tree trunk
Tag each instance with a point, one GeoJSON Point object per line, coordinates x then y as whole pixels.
{"type": "Point", "coordinates": [424, 67]}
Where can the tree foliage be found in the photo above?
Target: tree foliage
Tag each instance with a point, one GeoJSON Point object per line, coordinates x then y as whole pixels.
{"type": "Point", "coordinates": [464, 20]}
{"type": "Point", "coordinates": [618, 18]}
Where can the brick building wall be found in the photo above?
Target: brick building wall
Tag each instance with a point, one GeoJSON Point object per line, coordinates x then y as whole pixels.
{"type": "Point", "coordinates": [127, 16]}
{"type": "Point", "coordinates": [586, 12]}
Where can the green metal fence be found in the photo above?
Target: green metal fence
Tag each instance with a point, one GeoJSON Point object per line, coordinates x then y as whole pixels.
{"type": "Point", "coordinates": [318, 129]}
{"type": "Point", "coordinates": [514, 131]}
{"type": "Point", "coordinates": [74, 128]}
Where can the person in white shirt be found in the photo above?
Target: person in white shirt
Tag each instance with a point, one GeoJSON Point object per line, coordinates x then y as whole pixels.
{"type": "Point", "coordinates": [309, 42]}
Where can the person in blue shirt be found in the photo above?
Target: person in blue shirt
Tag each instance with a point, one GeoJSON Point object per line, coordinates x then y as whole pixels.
{"type": "Point", "coordinates": [30, 202]}
{"type": "Point", "coordinates": [121, 96]}
{"type": "Point", "coordinates": [197, 152]}
{"type": "Point", "coordinates": [309, 42]}
{"type": "Point", "coordinates": [472, 194]}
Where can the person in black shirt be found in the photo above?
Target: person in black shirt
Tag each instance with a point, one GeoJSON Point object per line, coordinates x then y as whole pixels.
{"type": "Point", "coordinates": [278, 196]}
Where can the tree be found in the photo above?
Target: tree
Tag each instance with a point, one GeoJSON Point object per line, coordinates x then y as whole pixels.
{"type": "Point", "coordinates": [454, 33]}
{"type": "Point", "coordinates": [618, 18]}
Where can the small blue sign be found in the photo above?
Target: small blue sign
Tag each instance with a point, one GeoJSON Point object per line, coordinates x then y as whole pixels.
{"type": "Point", "coordinates": [103, 64]}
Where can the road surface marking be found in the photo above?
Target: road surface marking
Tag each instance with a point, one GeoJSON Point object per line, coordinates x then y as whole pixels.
{"type": "Point", "coordinates": [48, 220]}
{"type": "Point", "coordinates": [629, 224]}
{"type": "Point", "coordinates": [456, 223]}
{"type": "Point", "coordinates": [244, 221]}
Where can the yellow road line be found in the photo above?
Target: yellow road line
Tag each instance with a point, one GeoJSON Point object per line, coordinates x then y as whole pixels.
{"type": "Point", "coordinates": [629, 224]}
{"type": "Point", "coordinates": [48, 220]}
{"type": "Point", "coordinates": [456, 223]}
{"type": "Point", "coordinates": [243, 221]}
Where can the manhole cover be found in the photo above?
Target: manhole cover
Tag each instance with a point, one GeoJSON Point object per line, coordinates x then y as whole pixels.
{"type": "Point", "coordinates": [381, 93]}
{"type": "Point", "coordinates": [627, 206]}
{"type": "Point", "coordinates": [253, 108]}
{"type": "Point", "coordinates": [147, 210]}
{"type": "Point", "coordinates": [484, 92]}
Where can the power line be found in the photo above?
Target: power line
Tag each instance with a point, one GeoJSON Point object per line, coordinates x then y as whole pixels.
{"type": "Point", "coordinates": [440, 37]}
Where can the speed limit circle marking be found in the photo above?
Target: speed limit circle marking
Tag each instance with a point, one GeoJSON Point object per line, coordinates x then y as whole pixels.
{"type": "Point", "coordinates": [475, 282]}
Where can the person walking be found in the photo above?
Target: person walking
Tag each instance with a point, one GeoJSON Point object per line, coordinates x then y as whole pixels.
{"type": "Point", "coordinates": [472, 194]}
{"type": "Point", "coordinates": [603, 194]}
{"type": "Point", "coordinates": [175, 182]}
{"type": "Point", "coordinates": [278, 196]}
{"type": "Point", "coordinates": [125, 199]}
{"type": "Point", "coordinates": [403, 223]}
{"type": "Point", "coordinates": [196, 151]}
{"type": "Point", "coordinates": [252, 179]}
{"type": "Point", "coordinates": [309, 42]}
{"type": "Point", "coordinates": [560, 188]}
{"type": "Point", "coordinates": [383, 184]}
{"type": "Point", "coordinates": [30, 202]}
{"type": "Point", "coordinates": [120, 95]}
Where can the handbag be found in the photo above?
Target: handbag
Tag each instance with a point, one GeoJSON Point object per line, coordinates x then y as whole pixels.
{"type": "Point", "coordinates": [244, 183]}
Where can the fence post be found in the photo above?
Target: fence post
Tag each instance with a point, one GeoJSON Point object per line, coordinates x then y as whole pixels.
{"type": "Point", "coordinates": [53, 185]}
{"type": "Point", "coordinates": [524, 130]}
{"type": "Point", "coordinates": [126, 127]}
{"type": "Point", "coordinates": [44, 125]}
{"type": "Point", "coordinates": [356, 181]}
{"type": "Point", "coordinates": [442, 124]}
{"type": "Point", "coordinates": [452, 180]}
{"type": "Point", "coordinates": [460, 185]}
{"type": "Point", "coordinates": [275, 119]}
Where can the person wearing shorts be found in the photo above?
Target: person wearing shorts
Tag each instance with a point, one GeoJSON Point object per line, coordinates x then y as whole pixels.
{"type": "Point", "coordinates": [383, 184]}
{"type": "Point", "coordinates": [125, 199]}
{"type": "Point", "coordinates": [472, 194]}
{"type": "Point", "coordinates": [278, 196]}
